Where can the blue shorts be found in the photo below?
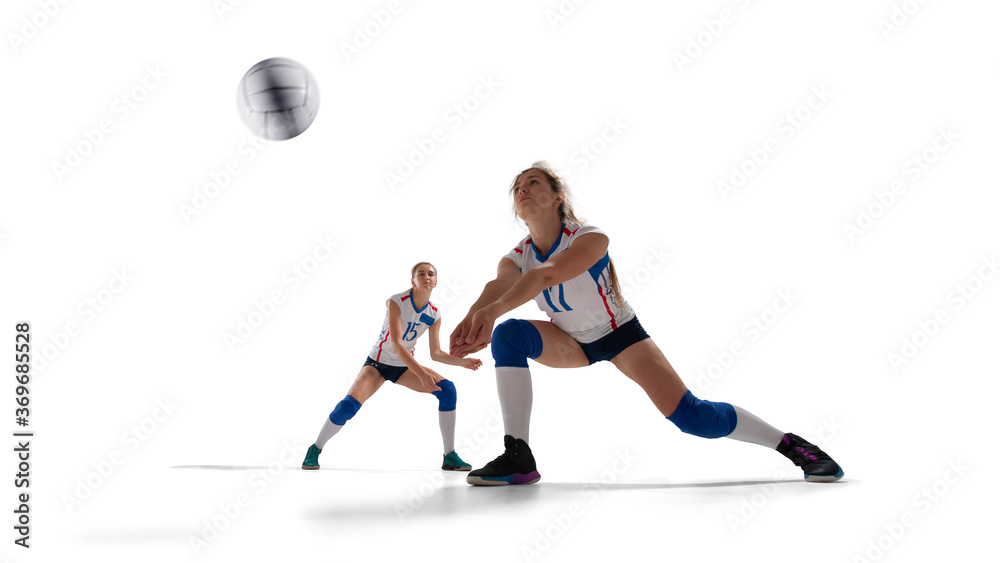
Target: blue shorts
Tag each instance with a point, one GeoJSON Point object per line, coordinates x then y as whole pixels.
{"type": "Point", "coordinates": [389, 373]}
{"type": "Point", "coordinates": [609, 346]}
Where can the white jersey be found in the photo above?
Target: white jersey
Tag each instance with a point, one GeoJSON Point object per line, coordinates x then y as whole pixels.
{"type": "Point", "coordinates": [414, 324]}
{"type": "Point", "coordinates": [582, 306]}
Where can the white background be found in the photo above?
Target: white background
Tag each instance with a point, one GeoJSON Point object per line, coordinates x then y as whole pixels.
{"type": "Point", "coordinates": [108, 356]}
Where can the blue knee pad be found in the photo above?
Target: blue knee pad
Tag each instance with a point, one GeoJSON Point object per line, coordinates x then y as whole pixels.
{"type": "Point", "coordinates": [514, 341]}
{"type": "Point", "coordinates": [447, 396]}
{"type": "Point", "coordinates": [703, 418]}
{"type": "Point", "coordinates": [345, 410]}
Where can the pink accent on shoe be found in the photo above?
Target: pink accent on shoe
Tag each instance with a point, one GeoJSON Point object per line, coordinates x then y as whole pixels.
{"type": "Point", "coordinates": [807, 454]}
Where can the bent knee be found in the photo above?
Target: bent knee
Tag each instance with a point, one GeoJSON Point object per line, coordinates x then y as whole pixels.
{"type": "Point", "coordinates": [514, 341]}
{"type": "Point", "coordinates": [345, 410]}
{"type": "Point", "coordinates": [447, 396]}
{"type": "Point", "coordinates": [705, 419]}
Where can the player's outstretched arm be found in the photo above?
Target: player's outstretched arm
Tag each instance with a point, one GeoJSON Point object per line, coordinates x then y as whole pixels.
{"type": "Point", "coordinates": [507, 275]}
{"type": "Point", "coordinates": [425, 377]}
{"type": "Point", "coordinates": [584, 253]}
{"type": "Point", "coordinates": [439, 355]}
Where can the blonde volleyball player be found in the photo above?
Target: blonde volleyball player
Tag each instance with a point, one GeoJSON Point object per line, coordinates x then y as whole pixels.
{"type": "Point", "coordinates": [408, 315]}
{"type": "Point", "coordinates": [564, 266]}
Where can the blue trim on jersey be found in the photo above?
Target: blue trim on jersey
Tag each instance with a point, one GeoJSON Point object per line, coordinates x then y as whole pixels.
{"type": "Point", "coordinates": [562, 298]}
{"type": "Point", "coordinates": [427, 319]}
{"type": "Point", "coordinates": [545, 293]}
{"type": "Point", "coordinates": [414, 304]}
{"type": "Point", "coordinates": [598, 268]}
{"type": "Point", "coordinates": [552, 249]}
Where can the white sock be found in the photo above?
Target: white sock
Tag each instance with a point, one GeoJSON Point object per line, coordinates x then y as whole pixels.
{"type": "Point", "coordinates": [447, 422]}
{"type": "Point", "coordinates": [514, 388]}
{"type": "Point", "coordinates": [751, 429]}
{"type": "Point", "coordinates": [329, 429]}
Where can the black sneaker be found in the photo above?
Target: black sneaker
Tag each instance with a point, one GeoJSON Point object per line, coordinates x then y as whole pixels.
{"type": "Point", "coordinates": [516, 466]}
{"type": "Point", "coordinates": [814, 462]}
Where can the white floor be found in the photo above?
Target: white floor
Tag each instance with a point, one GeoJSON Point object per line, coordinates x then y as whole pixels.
{"type": "Point", "coordinates": [604, 503]}
{"type": "Point", "coordinates": [803, 214]}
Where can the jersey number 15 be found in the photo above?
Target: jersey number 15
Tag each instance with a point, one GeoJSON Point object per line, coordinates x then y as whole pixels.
{"type": "Point", "coordinates": [411, 331]}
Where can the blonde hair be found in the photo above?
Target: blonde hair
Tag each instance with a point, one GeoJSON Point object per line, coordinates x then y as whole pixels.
{"type": "Point", "coordinates": [413, 270]}
{"type": "Point", "coordinates": [558, 186]}
{"type": "Point", "coordinates": [566, 213]}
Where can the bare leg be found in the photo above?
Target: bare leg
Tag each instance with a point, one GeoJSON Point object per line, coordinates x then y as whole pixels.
{"type": "Point", "coordinates": [644, 363]}
{"type": "Point", "coordinates": [366, 384]}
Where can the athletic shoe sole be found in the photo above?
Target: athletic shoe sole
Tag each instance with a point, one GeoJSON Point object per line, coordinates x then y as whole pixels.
{"type": "Point", "coordinates": [825, 478]}
{"type": "Point", "coordinates": [514, 479]}
{"type": "Point", "coordinates": [456, 468]}
{"type": "Point", "coordinates": [310, 467]}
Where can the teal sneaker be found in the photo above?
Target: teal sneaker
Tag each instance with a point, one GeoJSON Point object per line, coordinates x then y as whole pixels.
{"type": "Point", "coordinates": [454, 463]}
{"type": "Point", "coordinates": [312, 458]}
